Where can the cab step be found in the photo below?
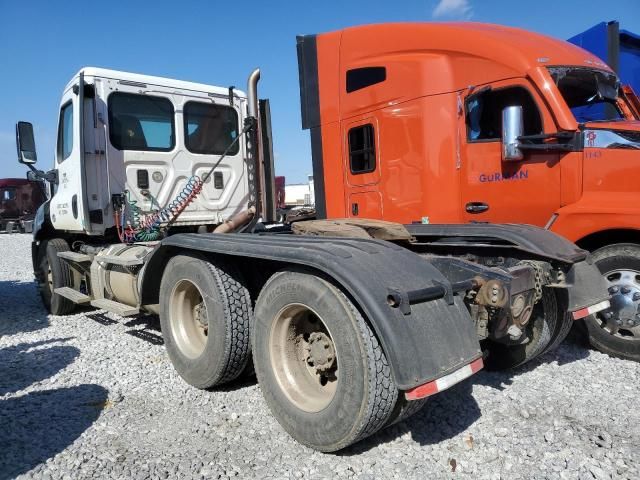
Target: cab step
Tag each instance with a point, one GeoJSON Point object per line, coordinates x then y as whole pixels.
{"type": "Point", "coordinates": [115, 307]}
{"type": "Point", "coordinates": [124, 262]}
{"type": "Point", "coordinates": [75, 257]}
{"type": "Point", "coordinates": [74, 295]}
{"type": "Point", "coordinates": [9, 228]}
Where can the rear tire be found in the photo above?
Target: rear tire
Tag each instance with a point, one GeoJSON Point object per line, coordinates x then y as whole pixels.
{"type": "Point", "coordinates": [543, 328]}
{"type": "Point", "coordinates": [205, 314]}
{"type": "Point", "coordinates": [325, 397]}
{"type": "Point", "coordinates": [52, 273]}
{"type": "Point", "coordinates": [625, 343]}
{"type": "Point", "coordinates": [404, 409]}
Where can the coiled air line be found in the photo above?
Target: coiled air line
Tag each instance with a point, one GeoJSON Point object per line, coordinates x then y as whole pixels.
{"type": "Point", "coordinates": [148, 227]}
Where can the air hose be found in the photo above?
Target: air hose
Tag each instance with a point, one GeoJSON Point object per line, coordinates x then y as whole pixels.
{"type": "Point", "coordinates": [148, 227]}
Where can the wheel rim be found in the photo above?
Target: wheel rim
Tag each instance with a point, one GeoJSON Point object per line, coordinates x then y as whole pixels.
{"type": "Point", "coordinates": [623, 318]}
{"type": "Point", "coordinates": [303, 357]}
{"type": "Point", "coordinates": [188, 319]}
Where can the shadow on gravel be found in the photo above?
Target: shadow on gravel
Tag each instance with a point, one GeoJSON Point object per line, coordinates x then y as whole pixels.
{"type": "Point", "coordinates": [246, 379]}
{"type": "Point", "coordinates": [21, 310]}
{"type": "Point", "coordinates": [39, 425]}
{"type": "Point", "coordinates": [23, 365]}
{"type": "Point", "coordinates": [566, 353]}
{"type": "Point", "coordinates": [150, 332]}
{"type": "Point", "coordinates": [443, 417]}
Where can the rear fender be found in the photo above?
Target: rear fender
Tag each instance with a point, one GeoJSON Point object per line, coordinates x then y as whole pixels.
{"type": "Point", "coordinates": [505, 239]}
{"type": "Point", "coordinates": [422, 343]}
{"type": "Point", "coordinates": [582, 280]}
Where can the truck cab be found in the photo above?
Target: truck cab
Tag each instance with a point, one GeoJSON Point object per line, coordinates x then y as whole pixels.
{"type": "Point", "coordinates": [148, 137]}
{"type": "Point", "coordinates": [407, 124]}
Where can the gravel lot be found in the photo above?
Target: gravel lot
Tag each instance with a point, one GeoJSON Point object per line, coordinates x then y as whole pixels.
{"type": "Point", "coordinates": [94, 395]}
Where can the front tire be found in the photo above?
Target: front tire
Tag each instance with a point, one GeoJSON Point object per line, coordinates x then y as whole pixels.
{"type": "Point", "coordinates": [618, 335]}
{"type": "Point", "coordinates": [320, 367]}
{"type": "Point", "coordinates": [52, 273]}
{"type": "Point", "coordinates": [205, 314]}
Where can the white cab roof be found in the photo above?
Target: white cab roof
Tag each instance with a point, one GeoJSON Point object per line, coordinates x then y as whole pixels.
{"type": "Point", "coordinates": [151, 80]}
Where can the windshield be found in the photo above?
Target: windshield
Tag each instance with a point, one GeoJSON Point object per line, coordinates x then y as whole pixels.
{"type": "Point", "coordinates": [590, 94]}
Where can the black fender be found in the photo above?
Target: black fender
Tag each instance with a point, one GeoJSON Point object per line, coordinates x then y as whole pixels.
{"type": "Point", "coordinates": [583, 282]}
{"type": "Point", "coordinates": [423, 341]}
{"type": "Point", "coordinates": [585, 286]}
{"type": "Point", "coordinates": [42, 229]}
{"type": "Point", "coordinates": [534, 241]}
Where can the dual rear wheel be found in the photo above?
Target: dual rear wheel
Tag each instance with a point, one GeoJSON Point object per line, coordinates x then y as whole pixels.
{"type": "Point", "coordinates": [321, 370]}
{"type": "Point", "coordinates": [546, 329]}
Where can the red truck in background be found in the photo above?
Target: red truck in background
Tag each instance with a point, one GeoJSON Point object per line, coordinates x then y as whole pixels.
{"type": "Point", "coordinates": [19, 200]}
{"type": "Point", "coordinates": [454, 123]}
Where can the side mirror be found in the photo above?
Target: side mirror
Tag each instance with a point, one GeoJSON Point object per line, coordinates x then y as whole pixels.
{"type": "Point", "coordinates": [511, 129]}
{"type": "Point", "coordinates": [26, 143]}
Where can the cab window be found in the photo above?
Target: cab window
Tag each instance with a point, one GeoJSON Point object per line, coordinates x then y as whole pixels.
{"type": "Point", "coordinates": [210, 129]}
{"type": "Point", "coordinates": [8, 193]}
{"type": "Point", "coordinates": [362, 149]}
{"type": "Point", "coordinates": [141, 122]}
{"type": "Point", "coordinates": [65, 132]}
{"type": "Point", "coordinates": [484, 113]}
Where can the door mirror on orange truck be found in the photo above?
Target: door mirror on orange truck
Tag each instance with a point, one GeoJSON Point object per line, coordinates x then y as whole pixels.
{"type": "Point", "coordinates": [26, 143]}
{"type": "Point", "coordinates": [512, 128]}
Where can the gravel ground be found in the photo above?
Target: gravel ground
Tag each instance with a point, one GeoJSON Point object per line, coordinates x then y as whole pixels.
{"type": "Point", "coordinates": [94, 395]}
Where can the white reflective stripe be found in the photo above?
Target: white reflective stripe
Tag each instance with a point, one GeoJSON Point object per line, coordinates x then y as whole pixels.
{"type": "Point", "coordinates": [598, 307]}
{"type": "Point", "coordinates": [584, 312]}
{"type": "Point", "coordinates": [450, 380]}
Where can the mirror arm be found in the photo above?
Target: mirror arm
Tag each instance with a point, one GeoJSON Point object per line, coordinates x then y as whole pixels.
{"type": "Point", "coordinates": [51, 176]}
{"type": "Point", "coordinates": [547, 147]}
{"type": "Point", "coordinates": [567, 142]}
{"type": "Point", "coordinates": [546, 136]}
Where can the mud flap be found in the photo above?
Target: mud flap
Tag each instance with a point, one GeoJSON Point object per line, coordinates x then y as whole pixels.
{"type": "Point", "coordinates": [586, 290]}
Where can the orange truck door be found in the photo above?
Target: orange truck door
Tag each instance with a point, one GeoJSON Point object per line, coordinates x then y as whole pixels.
{"type": "Point", "coordinates": [362, 168]}
{"type": "Point", "coordinates": [527, 191]}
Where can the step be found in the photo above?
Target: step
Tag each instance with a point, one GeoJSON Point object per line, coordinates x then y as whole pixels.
{"type": "Point", "coordinates": [9, 228]}
{"type": "Point", "coordinates": [75, 257]}
{"type": "Point", "coordinates": [122, 261]}
{"type": "Point", "coordinates": [74, 295]}
{"type": "Point", "coordinates": [115, 307]}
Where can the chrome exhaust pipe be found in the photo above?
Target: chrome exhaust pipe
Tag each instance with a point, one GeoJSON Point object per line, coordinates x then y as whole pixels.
{"type": "Point", "coordinates": [252, 93]}
{"type": "Point", "coordinates": [256, 136]}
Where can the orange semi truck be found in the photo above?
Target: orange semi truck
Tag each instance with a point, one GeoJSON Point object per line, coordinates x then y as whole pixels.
{"type": "Point", "coordinates": [467, 122]}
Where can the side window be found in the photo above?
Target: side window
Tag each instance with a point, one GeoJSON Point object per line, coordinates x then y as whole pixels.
{"type": "Point", "coordinates": [141, 122]}
{"type": "Point", "coordinates": [484, 113]}
{"type": "Point", "coordinates": [65, 132]}
{"type": "Point", "coordinates": [362, 149]}
{"type": "Point", "coordinates": [8, 194]}
{"type": "Point", "coordinates": [210, 129]}
{"type": "Point", "coordinates": [358, 78]}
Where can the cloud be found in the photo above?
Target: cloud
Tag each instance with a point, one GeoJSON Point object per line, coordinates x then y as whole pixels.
{"type": "Point", "coordinates": [453, 9]}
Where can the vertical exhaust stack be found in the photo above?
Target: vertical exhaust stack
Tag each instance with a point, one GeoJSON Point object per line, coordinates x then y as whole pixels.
{"type": "Point", "coordinates": [256, 141]}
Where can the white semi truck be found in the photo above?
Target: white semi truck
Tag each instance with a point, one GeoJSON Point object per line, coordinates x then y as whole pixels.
{"type": "Point", "coordinates": [162, 201]}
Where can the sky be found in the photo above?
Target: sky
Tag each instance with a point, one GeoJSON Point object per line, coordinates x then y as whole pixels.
{"type": "Point", "coordinates": [44, 43]}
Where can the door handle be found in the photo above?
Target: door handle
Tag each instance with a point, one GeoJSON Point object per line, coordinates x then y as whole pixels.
{"type": "Point", "coordinates": [476, 207]}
